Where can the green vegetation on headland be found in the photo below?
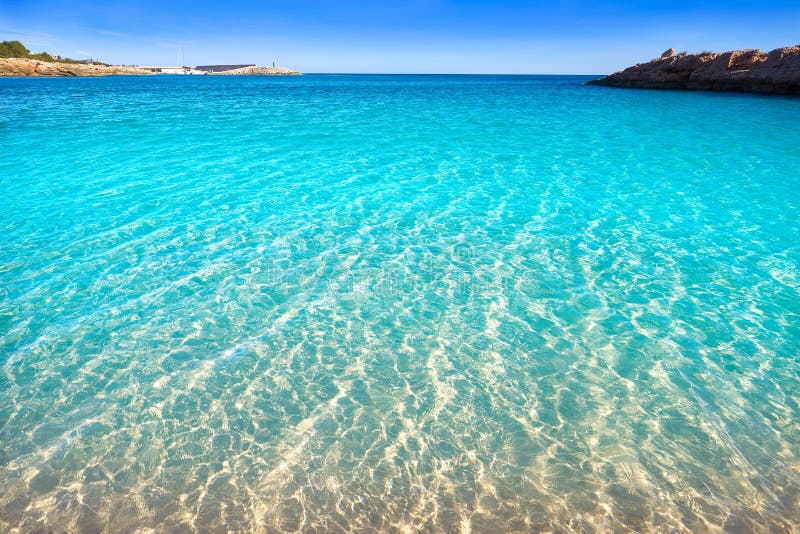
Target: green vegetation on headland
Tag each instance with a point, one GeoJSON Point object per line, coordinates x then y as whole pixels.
{"type": "Point", "coordinates": [15, 49]}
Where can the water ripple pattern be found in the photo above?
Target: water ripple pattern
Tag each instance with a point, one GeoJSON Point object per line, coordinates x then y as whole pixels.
{"type": "Point", "coordinates": [397, 303]}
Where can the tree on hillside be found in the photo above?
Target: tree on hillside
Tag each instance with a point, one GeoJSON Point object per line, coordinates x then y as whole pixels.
{"type": "Point", "coordinates": [13, 49]}
{"type": "Point", "coordinates": [42, 56]}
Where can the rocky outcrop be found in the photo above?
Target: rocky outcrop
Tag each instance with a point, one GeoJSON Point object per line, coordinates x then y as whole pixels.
{"type": "Point", "coordinates": [32, 67]}
{"type": "Point", "coordinates": [259, 71]}
{"type": "Point", "coordinates": [751, 71]}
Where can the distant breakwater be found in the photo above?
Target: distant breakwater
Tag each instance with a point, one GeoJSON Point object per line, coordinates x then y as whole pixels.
{"type": "Point", "coordinates": [259, 71]}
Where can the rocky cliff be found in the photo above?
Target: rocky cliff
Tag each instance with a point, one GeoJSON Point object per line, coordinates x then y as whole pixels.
{"type": "Point", "coordinates": [32, 67]}
{"type": "Point", "coordinates": [751, 71]}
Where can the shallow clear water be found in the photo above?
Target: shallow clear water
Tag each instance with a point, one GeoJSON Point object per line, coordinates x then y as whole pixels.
{"type": "Point", "coordinates": [364, 302]}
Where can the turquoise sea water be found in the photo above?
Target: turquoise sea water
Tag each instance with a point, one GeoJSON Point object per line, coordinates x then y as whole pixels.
{"type": "Point", "coordinates": [397, 303]}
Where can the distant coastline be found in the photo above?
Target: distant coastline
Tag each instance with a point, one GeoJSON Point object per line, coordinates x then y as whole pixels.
{"type": "Point", "coordinates": [17, 60]}
{"type": "Point", "coordinates": [36, 67]}
{"type": "Point", "coordinates": [749, 71]}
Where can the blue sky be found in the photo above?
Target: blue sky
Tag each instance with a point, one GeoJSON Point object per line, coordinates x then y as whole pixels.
{"type": "Point", "coordinates": [421, 36]}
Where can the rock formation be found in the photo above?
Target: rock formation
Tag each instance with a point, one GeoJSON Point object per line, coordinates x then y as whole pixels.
{"type": "Point", "coordinates": [668, 53]}
{"type": "Point", "coordinates": [751, 71]}
{"type": "Point", "coordinates": [32, 67]}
